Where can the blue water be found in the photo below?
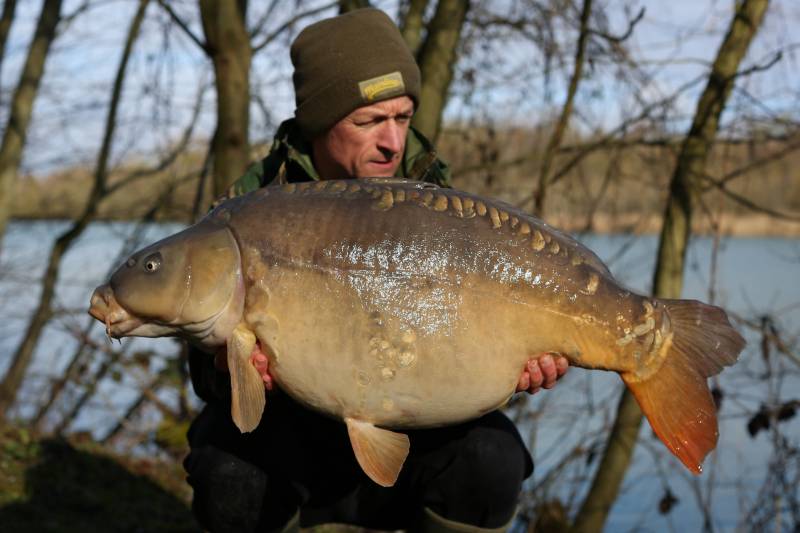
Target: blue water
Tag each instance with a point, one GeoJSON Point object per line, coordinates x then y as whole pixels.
{"type": "Point", "coordinates": [754, 276]}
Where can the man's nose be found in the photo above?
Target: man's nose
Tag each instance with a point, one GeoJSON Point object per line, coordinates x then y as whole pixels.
{"type": "Point", "coordinates": [391, 137]}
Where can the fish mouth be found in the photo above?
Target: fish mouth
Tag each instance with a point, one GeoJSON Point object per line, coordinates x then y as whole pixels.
{"type": "Point", "coordinates": [105, 308]}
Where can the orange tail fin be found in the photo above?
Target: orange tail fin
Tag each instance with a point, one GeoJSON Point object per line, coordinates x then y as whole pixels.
{"type": "Point", "coordinates": [676, 399]}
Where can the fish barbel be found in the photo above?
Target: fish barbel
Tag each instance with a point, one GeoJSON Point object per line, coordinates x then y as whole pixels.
{"type": "Point", "coordinates": [394, 305]}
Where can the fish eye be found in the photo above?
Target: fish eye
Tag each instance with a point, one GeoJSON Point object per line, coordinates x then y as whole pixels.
{"type": "Point", "coordinates": [152, 263]}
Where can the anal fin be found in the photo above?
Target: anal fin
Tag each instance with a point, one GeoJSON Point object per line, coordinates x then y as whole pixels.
{"type": "Point", "coordinates": [247, 388]}
{"type": "Point", "coordinates": [380, 452]}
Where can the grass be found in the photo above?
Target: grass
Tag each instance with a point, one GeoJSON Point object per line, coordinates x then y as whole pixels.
{"type": "Point", "coordinates": [57, 485]}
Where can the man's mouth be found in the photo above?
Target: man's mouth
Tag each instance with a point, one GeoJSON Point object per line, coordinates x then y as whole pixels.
{"type": "Point", "coordinates": [384, 166]}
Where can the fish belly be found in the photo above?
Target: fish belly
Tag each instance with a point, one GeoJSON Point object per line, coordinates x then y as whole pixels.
{"type": "Point", "coordinates": [424, 356]}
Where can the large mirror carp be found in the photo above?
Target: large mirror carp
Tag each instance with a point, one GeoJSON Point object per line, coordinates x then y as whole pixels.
{"type": "Point", "coordinates": [392, 305]}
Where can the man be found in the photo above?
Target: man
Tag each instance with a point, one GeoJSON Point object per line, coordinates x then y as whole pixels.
{"type": "Point", "coordinates": [356, 88]}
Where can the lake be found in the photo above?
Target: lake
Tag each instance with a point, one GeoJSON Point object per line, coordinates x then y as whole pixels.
{"type": "Point", "coordinates": [754, 277]}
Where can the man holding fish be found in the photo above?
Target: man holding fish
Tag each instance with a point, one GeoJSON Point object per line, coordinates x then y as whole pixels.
{"type": "Point", "coordinates": [409, 311]}
{"type": "Point", "coordinates": [357, 87]}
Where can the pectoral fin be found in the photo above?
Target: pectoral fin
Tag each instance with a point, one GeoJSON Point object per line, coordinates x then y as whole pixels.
{"type": "Point", "coordinates": [380, 452]}
{"type": "Point", "coordinates": [247, 388]}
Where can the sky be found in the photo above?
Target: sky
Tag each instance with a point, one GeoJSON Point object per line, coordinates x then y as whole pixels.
{"type": "Point", "coordinates": [673, 43]}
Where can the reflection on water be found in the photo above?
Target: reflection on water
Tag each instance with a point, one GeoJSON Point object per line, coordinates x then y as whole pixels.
{"type": "Point", "coordinates": [753, 277]}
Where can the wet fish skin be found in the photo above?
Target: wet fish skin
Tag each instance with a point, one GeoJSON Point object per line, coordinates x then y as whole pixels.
{"type": "Point", "coordinates": [400, 305]}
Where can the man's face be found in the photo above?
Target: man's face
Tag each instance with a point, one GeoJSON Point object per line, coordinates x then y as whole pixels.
{"type": "Point", "coordinates": [369, 142]}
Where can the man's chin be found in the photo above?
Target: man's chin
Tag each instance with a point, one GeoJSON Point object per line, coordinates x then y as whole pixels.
{"type": "Point", "coordinates": [377, 170]}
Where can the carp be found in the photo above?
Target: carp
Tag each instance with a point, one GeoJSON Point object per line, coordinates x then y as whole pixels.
{"type": "Point", "coordinates": [392, 305]}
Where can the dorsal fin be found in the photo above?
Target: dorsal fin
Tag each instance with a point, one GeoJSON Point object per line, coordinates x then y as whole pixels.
{"type": "Point", "coordinates": [380, 452]}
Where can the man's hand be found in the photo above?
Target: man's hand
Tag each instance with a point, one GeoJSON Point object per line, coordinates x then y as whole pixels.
{"type": "Point", "coordinates": [542, 372]}
{"type": "Point", "coordinates": [261, 363]}
{"type": "Point", "coordinates": [257, 358]}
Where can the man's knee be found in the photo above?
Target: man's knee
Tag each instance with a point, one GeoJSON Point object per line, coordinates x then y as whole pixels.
{"type": "Point", "coordinates": [482, 483]}
{"type": "Point", "coordinates": [498, 463]}
{"type": "Point", "coordinates": [228, 492]}
{"type": "Point", "coordinates": [231, 494]}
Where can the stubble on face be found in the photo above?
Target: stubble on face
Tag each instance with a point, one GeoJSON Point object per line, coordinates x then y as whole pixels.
{"type": "Point", "coordinates": [369, 142]}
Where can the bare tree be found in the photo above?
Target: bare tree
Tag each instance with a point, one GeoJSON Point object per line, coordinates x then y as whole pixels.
{"type": "Point", "coordinates": [22, 103]}
{"type": "Point", "coordinates": [685, 187]}
{"type": "Point", "coordinates": [12, 381]}
{"type": "Point", "coordinates": [9, 6]}
{"type": "Point", "coordinates": [350, 5]}
{"type": "Point", "coordinates": [413, 22]}
{"type": "Point", "coordinates": [566, 111]}
{"type": "Point", "coordinates": [228, 45]}
{"type": "Point", "coordinates": [436, 60]}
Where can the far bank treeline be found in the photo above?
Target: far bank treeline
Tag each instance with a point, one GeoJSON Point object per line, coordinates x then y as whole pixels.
{"type": "Point", "coordinates": [600, 185]}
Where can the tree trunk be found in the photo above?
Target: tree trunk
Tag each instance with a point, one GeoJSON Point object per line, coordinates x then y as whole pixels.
{"type": "Point", "coordinates": [412, 24]}
{"type": "Point", "coordinates": [6, 18]}
{"type": "Point", "coordinates": [24, 354]}
{"type": "Point", "coordinates": [437, 59]}
{"type": "Point", "coordinates": [350, 5]}
{"type": "Point", "coordinates": [22, 104]}
{"type": "Point", "coordinates": [566, 112]}
{"type": "Point", "coordinates": [228, 44]}
{"type": "Point", "coordinates": [675, 233]}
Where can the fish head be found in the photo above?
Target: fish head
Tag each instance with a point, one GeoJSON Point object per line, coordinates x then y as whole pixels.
{"type": "Point", "coordinates": [187, 285]}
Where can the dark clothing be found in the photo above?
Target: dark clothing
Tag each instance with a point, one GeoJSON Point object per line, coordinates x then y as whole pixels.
{"type": "Point", "coordinates": [296, 458]}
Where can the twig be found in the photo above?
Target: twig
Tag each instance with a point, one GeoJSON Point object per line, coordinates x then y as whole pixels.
{"type": "Point", "coordinates": [291, 22]}
{"type": "Point", "coordinates": [182, 25]}
{"type": "Point", "coordinates": [171, 156]}
{"type": "Point", "coordinates": [619, 39]}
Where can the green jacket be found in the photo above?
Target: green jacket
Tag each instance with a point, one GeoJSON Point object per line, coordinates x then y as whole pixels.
{"type": "Point", "coordinates": [289, 160]}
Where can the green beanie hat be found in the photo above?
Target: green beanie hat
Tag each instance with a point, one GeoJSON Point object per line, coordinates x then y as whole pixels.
{"type": "Point", "coordinates": [345, 62]}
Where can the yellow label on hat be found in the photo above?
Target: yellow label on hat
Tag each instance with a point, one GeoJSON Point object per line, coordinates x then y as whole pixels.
{"type": "Point", "coordinates": [382, 87]}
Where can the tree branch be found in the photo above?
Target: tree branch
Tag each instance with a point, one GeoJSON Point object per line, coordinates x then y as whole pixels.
{"type": "Point", "coordinates": [182, 25]}
{"type": "Point", "coordinates": [621, 38]}
{"type": "Point", "coordinates": [291, 22]}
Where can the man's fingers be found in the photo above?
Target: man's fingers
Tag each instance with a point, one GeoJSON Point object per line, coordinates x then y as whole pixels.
{"type": "Point", "coordinates": [260, 362]}
{"type": "Point", "coordinates": [561, 365]}
{"type": "Point", "coordinates": [524, 381]}
{"type": "Point", "coordinates": [542, 372]}
{"type": "Point", "coordinates": [549, 372]}
{"type": "Point", "coordinates": [536, 376]}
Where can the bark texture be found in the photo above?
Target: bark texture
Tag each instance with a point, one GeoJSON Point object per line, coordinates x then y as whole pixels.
{"type": "Point", "coordinates": [13, 379]}
{"type": "Point", "coordinates": [350, 5]}
{"type": "Point", "coordinates": [436, 60]}
{"type": "Point", "coordinates": [9, 6]}
{"type": "Point", "coordinates": [228, 45]}
{"type": "Point", "coordinates": [413, 23]}
{"type": "Point", "coordinates": [22, 105]}
{"type": "Point", "coordinates": [675, 233]}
